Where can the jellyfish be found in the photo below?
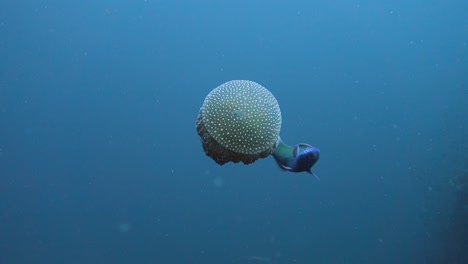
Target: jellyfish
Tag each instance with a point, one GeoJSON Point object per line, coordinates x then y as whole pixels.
{"type": "Point", "coordinates": [239, 121]}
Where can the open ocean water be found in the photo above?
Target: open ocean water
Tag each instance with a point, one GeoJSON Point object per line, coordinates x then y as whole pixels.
{"type": "Point", "coordinates": [100, 161]}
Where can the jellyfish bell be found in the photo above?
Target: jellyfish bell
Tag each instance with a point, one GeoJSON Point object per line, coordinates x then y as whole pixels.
{"type": "Point", "coordinates": [239, 121]}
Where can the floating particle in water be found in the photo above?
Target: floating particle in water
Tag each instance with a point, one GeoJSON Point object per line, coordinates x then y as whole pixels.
{"type": "Point", "coordinates": [124, 227]}
{"type": "Point", "coordinates": [218, 182]}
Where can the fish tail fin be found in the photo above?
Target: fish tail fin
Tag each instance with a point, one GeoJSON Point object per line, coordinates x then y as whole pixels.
{"type": "Point", "coordinates": [279, 141]}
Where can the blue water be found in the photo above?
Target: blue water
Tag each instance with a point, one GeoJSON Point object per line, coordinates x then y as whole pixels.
{"type": "Point", "coordinates": [100, 161]}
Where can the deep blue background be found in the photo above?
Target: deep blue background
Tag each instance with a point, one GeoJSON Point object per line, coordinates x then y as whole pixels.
{"type": "Point", "coordinates": [100, 161]}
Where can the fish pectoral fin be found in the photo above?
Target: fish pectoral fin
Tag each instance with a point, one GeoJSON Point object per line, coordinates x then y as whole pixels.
{"type": "Point", "coordinates": [282, 166]}
{"type": "Point", "coordinates": [285, 168]}
{"type": "Point", "coordinates": [296, 151]}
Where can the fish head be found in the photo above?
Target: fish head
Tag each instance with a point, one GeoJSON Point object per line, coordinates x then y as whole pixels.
{"type": "Point", "coordinates": [305, 157]}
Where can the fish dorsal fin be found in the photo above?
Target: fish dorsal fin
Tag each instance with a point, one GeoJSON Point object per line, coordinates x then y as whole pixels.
{"type": "Point", "coordinates": [304, 145]}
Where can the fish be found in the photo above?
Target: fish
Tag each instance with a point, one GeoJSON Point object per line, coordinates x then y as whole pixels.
{"type": "Point", "coordinates": [299, 158]}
